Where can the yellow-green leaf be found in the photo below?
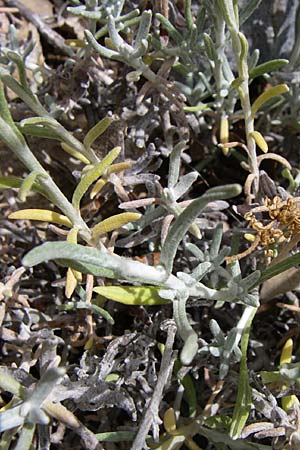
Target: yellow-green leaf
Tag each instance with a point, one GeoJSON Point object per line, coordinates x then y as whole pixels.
{"type": "Point", "coordinates": [200, 107]}
{"type": "Point", "coordinates": [10, 182]}
{"type": "Point", "coordinates": [27, 184]}
{"type": "Point", "coordinates": [71, 283]}
{"type": "Point", "coordinates": [93, 175]}
{"type": "Point", "coordinates": [72, 237]}
{"type": "Point", "coordinates": [113, 223]}
{"type": "Point", "coordinates": [132, 295]}
{"type": "Point", "coordinates": [71, 151]}
{"type": "Point", "coordinates": [224, 130]}
{"type": "Point", "coordinates": [79, 43]}
{"type": "Point", "coordinates": [286, 352]}
{"type": "Point", "coordinates": [260, 141]}
{"type": "Point", "coordinates": [267, 95]}
{"type": "Point", "coordinates": [44, 215]}
{"type": "Point", "coordinates": [98, 187]}
{"type": "Point", "coordinates": [96, 131]}
{"type": "Point", "coordinates": [269, 66]}
{"type": "Point", "coordinates": [118, 167]}
{"type": "Point", "coordinates": [285, 358]}
{"type": "Point", "coordinates": [170, 421]}
{"type": "Point", "coordinates": [244, 47]}
{"type": "Point", "coordinates": [114, 168]}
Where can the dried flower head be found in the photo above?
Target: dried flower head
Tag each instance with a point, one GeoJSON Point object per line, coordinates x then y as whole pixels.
{"type": "Point", "coordinates": [282, 223]}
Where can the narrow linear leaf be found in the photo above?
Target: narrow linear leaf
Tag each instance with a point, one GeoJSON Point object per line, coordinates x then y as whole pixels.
{"type": "Point", "coordinates": [210, 47]}
{"type": "Point", "coordinates": [187, 333]}
{"type": "Point", "coordinates": [144, 28]}
{"type": "Point", "coordinates": [99, 185]}
{"type": "Point", "coordinates": [27, 184]}
{"type": "Point", "coordinates": [114, 168]}
{"type": "Point", "coordinates": [38, 121]}
{"type": "Point", "coordinates": [118, 167]}
{"type": "Point", "coordinates": [16, 182]}
{"type": "Point", "coordinates": [101, 312]}
{"type": "Point", "coordinates": [248, 10]}
{"type": "Point", "coordinates": [10, 182]}
{"type": "Point", "coordinates": [224, 130]}
{"type": "Point", "coordinates": [185, 220]}
{"type": "Point", "coordinates": [270, 377]}
{"type": "Point", "coordinates": [132, 295]}
{"type": "Point", "coordinates": [200, 107]}
{"type": "Point", "coordinates": [26, 437]}
{"type": "Point", "coordinates": [73, 276]}
{"type": "Point", "coordinates": [172, 32]}
{"type": "Point", "coordinates": [83, 267]}
{"type": "Point", "coordinates": [71, 151]}
{"type": "Point", "coordinates": [267, 67]}
{"type": "Point", "coordinates": [9, 384]}
{"type": "Point", "coordinates": [93, 175]}
{"type": "Point", "coordinates": [78, 43]}
{"type": "Point", "coordinates": [112, 265]}
{"type": "Point", "coordinates": [4, 109]}
{"type": "Point", "coordinates": [244, 47]}
{"type": "Point", "coordinates": [188, 15]}
{"type": "Point", "coordinates": [96, 131]}
{"type": "Point", "coordinates": [278, 268]}
{"type": "Point", "coordinates": [44, 215]}
{"type": "Point", "coordinates": [253, 59]}
{"type": "Point", "coordinates": [260, 141]}
{"type": "Point", "coordinates": [72, 235]}
{"type": "Point", "coordinates": [243, 402]}
{"type": "Point", "coordinates": [38, 131]}
{"type": "Point", "coordinates": [267, 95]}
{"type": "Point", "coordinates": [170, 420]}
{"type": "Point", "coordinates": [289, 280]}
{"type": "Point", "coordinates": [286, 357]}
{"type": "Point", "coordinates": [113, 223]}
{"type": "Point", "coordinates": [103, 51]}
{"type": "Point", "coordinates": [117, 40]}
{"type": "Point", "coordinates": [116, 436]}
{"type": "Point", "coordinates": [71, 283]}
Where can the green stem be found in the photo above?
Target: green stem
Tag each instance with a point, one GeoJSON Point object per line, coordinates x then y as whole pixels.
{"type": "Point", "coordinates": [16, 142]}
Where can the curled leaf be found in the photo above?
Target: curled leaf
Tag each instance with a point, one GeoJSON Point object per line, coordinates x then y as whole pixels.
{"type": "Point", "coordinates": [44, 215]}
